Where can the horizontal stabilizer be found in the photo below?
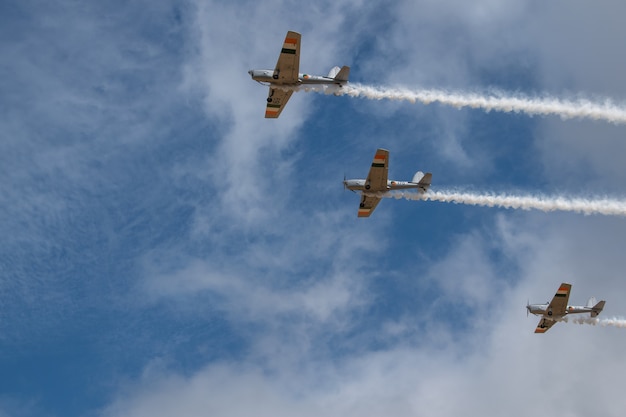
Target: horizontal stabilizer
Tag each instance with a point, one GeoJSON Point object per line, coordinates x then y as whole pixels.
{"type": "Point", "coordinates": [424, 183]}
{"type": "Point", "coordinates": [597, 309]}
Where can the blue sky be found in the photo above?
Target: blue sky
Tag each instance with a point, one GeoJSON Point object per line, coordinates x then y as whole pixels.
{"type": "Point", "coordinates": [168, 251]}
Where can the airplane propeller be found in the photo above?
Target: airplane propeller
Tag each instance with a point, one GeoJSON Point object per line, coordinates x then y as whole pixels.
{"type": "Point", "coordinates": [344, 181]}
{"type": "Point", "coordinates": [527, 307]}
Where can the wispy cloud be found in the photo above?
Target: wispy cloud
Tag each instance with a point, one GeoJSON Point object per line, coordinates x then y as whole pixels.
{"type": "Point", "coordinates": [201, 259]}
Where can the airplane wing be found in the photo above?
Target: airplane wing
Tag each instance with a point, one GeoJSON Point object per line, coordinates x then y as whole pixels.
{"type": "Point", "coordinates": [377, 177]}
{"type": "Point", "coordinates": [558, 305]}
{"type": "Point", "coordinates": [276, 100]}
{"type": "Point", "coordinates": [368, 204]}
{"type": "Point", "coordinates": [288, 65]}
{"type": "Point", "coordinates": [544, 325]}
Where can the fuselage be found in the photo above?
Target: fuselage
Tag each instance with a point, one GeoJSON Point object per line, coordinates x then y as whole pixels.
{"type": "Point", "coordinates": [543, 310]}
{"type": "Point", "coordinates": [360, 185]}
{"type": "Point", "coordinates": [268, 76]}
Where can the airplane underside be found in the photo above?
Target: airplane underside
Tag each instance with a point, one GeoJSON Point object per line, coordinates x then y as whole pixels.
{"type": "Point", "coordinates": [558, 309]}
{"type": "Point", "coordinates": [285, 78]}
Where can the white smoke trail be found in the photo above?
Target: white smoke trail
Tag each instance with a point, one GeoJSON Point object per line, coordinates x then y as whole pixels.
{"type": "Point", "coordinates": [594, 321]}
{"type": "Point", "coordinates": [493, 100]}
{"type": "Point", "coordinates": [606, 206]}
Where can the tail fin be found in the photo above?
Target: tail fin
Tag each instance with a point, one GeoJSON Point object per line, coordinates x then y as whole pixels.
{"type": "Point", "coordinates": [340, 74]}
{"type": "Point", "coordinates": [591, 302]}
{"type": "Point", "coordinates": [424, 182]}
{"type": "Point", "coordinates": [597, 309]}
{"type": "Point", "coordinates": [417, 177]}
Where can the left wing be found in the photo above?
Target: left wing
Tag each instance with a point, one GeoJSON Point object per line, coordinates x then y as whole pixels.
{"type": "Point", "coordinates": [276, 100]}
{"type": "Point", "coordinates": [544, 325]}
{"type": "Point", "coordinates": [377, 177]}
{"type": "Point", "coordinates": [288, 65]}
{"type": "Point", "coordinates": [558, 305]}
{"type": "Point", "coordinates": [368, 204]}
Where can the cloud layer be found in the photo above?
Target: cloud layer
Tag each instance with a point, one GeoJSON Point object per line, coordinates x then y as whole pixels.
{"type": "Point", "coordinates": [169, 251]}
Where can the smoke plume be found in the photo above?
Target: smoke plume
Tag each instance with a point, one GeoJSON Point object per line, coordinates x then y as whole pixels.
{"type": "Point", "coordinates": [594, 321]}
{"type": "Point", "coordinates": [494, 100]}
{"type": "Point", "coordinates": [605, 206]}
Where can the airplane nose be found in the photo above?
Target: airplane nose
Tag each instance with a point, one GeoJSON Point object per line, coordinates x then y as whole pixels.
{"type": "Point", "coordinates": [250, 72]}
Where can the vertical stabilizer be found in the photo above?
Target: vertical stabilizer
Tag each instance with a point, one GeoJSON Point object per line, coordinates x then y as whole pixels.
{"type": "Point", "coordinates": [333, 71]}
{"type": "Point", "coordinates": [417, 177]}
{"type": "Point", "coordinates": [592, 302]}
{"type": "Point", "coordinates": [341, 76]}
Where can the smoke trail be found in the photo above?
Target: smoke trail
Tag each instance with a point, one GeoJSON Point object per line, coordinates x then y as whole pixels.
{"type": "Point", "coordinates": [494, 100]}
{"type": "Point", "coordinates": [594, 321]}
{"type": "Point", "coordinates": [606, 206]}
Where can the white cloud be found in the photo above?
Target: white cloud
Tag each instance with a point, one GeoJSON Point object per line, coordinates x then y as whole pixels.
{"type": "Point", "coordinates": [493, 364]}
{"type": "Point", "coordinates": [308, 288]}
{"type": "Point", "coordinates": [497, 366]}
{"type": "Point", "coordinates": [248, 152]}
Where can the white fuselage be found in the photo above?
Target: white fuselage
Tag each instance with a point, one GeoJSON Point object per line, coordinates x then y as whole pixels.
{"type": "Point", "coordinates": [360, 185]}
{"type": "Point", "coordinates": [542, 310]}
{"type": "Point", "coordinates": [268, 76]}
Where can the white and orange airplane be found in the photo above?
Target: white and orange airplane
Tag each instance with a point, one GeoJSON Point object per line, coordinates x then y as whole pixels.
{"type": "Point", "coordinates": [285, 76]}
{"type": "Point", "coordinates": [556, 309]}
{"type": "Point", "coordinates": [377, 183]}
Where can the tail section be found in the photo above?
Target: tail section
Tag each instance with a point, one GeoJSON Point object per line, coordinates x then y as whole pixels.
{"type": "Point", "coordinates": [591, 302]}
{"type": "Point", "coordinates": [597, 309]}
{"type": "Point", "coordinates": [340, 74]}
{"type": "Point", "coordinates": [422, 180]}
{"type": "Point", "coordinates": [417, 177]}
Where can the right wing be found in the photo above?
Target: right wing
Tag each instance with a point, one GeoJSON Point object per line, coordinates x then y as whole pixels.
{"type": "Point", "coordinates": [276, 100]}
{"type": "Point", "coordinates": [288, 65]}
{"type": "Point", "coordinates": [368, 204]}
{"type": "Point", "coordinates": [544, 325]}
{"type": "Point", "coordinates": [377, 178]}
{"type": "Point", "coordinates": [558, 305]}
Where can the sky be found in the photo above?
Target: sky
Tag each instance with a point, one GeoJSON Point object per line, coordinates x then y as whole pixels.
{"type": "Point", "coordinates": [166, 250]}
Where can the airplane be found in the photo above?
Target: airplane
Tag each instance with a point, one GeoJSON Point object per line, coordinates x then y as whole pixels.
{"type": "Point", "coordinates": [377, 183]}
{"type": "Point", "coordinates": [285, 76]}
{"type": "Point", "coordinates": [556, 309]}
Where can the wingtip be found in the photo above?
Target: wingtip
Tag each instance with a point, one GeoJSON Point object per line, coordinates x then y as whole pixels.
{"type": "Point", "coordinates": [364, 213]}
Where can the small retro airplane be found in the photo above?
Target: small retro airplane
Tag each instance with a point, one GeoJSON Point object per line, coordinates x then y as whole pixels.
{"type": "Point", "coordinates": [556, 309]}
{"type": "Point", "coordinates": [285, 76]}
{"type": "Point", "coordinates": [377, 183]}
